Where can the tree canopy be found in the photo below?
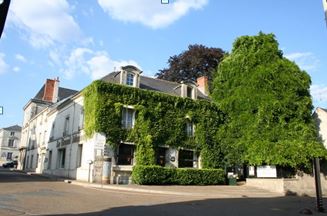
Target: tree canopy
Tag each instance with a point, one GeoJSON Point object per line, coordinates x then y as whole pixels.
{"type": "Point", "coordinates": [195, 62]}
{"type": "Point", "coordinates": [268, 103]}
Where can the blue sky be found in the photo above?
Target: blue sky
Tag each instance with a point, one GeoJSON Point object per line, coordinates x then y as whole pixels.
{"type": "Point", "coordinates": [79, 41]}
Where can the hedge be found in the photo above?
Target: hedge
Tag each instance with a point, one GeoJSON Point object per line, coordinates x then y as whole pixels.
{"type": "Point", "coordinates": [157, 175]}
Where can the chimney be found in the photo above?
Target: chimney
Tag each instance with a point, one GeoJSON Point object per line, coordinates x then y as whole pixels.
{"type": "Point", "coordinates": [51, 88]}
{"type": "Point", "coordinates": [203, 85]}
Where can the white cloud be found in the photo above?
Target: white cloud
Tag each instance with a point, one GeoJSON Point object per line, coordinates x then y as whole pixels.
{"type": "Point", "coordinates": [20, 57]}
{"type": "Point", "coordinates": [55, 57]}
{"type": "Point", "coordinates": [101, 64]}
{"type": "Point", "coordinates": [3, 65]}
{"type": "Point", "coordinates": [76, 62]}
{"type": "Point", "coordinates": [44, 21]}
{"type": "Point", "coordinates": [16, 69]}
{"type": "Point", "coordinates": [95, 64]}
{"type": "Point", "coordinates": [305, 60]}
{"type": "Point", "coordinates": [319, 93]}
{"type": "Point", "coordinates": [150, 12]}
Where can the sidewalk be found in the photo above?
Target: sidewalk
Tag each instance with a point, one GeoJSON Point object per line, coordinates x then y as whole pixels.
{"type": "Point", "coordinates": [220, 191]}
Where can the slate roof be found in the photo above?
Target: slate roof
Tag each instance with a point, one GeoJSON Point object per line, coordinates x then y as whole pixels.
{"type": "Point", "coordinates": [13, 128]}
{"type": "Point", "coordinates": [153, 84]}
{"type": "Point", "coordinates": [62, 93]}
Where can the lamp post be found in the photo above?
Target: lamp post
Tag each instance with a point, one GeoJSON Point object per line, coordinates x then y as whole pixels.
{"type": "Point", "coordinates": [316, 168]}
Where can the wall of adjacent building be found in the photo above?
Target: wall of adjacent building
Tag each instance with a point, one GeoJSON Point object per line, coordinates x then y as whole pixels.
{"type": "Point", "coordinates": [5, 149]}
{"type": "Point", "coordinates": [320, 116]}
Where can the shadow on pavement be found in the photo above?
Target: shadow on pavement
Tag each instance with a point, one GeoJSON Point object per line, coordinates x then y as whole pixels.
{"type": "Point", "coordinates": [281, 206]}
{"type": "Point", "coordinates": [12, 176]}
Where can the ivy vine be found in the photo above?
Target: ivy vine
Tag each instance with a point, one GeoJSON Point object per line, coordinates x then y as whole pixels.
{"type": "Point", "coordinates": [160, 121]}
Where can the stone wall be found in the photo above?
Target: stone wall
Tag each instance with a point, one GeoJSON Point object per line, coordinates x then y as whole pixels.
{"type": "Point", "coordinates": [303, 185]}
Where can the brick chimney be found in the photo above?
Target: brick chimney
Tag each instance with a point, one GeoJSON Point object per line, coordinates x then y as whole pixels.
{"type": "Point", "coordinates": [51, 87]}
{"type": "Point", "coordinates": [203, 85]}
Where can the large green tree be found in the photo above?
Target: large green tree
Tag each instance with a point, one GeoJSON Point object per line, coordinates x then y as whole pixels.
{"type": "Point", "coordinates": [195, 62]}
{"type": "Point", "coordinates": [268, 103]}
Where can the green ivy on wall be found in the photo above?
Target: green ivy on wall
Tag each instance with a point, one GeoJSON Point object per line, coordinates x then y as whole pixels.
{"type": "Point", "coordinates": [160, 121]}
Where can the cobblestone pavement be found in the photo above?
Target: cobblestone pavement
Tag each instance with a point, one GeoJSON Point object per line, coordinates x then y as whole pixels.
{"type": "Point", "coordinates": [22, 194]}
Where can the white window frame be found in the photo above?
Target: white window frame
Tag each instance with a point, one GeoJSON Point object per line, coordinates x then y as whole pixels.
{"type": "Point", "coordinates": [125, 115]}
{"type": "Point", "coordinates": [11, 154]}
{"type": "Point", "coordinates": [61, 158]}
{"type": "Point", "coordinates": [11, 143]}
{"type": "Point", "coordinates": [130, 79]}
{"type": "Point", "coordinates": [190, 128]}
{"type": "Point", "coordinates": [66, 126]}
{"type": "Point", "coordinates": [81, 120]}
{"type": "Point", "coordinates": [79, 155]}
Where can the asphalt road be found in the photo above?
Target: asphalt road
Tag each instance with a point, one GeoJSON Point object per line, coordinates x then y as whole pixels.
{"type": "Point", "coordinates": [22, 194]}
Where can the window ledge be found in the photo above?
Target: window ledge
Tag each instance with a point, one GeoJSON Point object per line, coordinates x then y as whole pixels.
{"type": "Point", "coordinates": [123, 168]}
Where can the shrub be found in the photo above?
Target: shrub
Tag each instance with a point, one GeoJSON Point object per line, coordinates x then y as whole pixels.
{"type": "Point", "coordinates": [152, 174]}
{"type": "Point", "coordinates": [157, 175]}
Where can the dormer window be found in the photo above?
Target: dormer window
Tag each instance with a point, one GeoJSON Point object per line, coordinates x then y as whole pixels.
{"type": "Point", "coordinates": [189, 91]}
{"type": "Point", "coordinates": [130, 75]}
{"type": "Point", "coordinates": [130, 79]}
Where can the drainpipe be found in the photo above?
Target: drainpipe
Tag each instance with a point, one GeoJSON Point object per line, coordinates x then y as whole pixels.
{"type": "Point", "coordinates": [71, 141]}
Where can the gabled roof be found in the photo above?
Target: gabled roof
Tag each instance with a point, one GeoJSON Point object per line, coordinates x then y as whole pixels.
{"type": "Point", "coordinates": [154, 84]}
{"type": "Point", "coordinates": [13, 128]}
{"type": "Point", "coordinates": [62, 93]}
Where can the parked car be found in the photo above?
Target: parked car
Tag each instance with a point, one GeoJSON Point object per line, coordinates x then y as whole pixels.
{"type": "Point", "coordinates": [10, 164]}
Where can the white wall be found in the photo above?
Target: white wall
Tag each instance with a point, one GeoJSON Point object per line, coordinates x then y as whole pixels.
{"type": "Point", "coordinates": [321, 121]}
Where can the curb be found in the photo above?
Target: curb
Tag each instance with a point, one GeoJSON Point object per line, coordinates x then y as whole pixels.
{"type": "Point", "coordinates": [118, 188]}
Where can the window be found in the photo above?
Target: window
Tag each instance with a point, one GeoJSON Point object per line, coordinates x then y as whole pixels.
{"type": "Point", "coordinates": [81, 120]}
{"type": "Point", "coordinates": [189, 92]}
{"type": "Point", "coordinates": [128, 116]}
{"type": "Point", "coordinates": [185, 158]}
{"type": "Point", "coordinates": [9, 156]}
{"type": "Point", "coordinates": [50, 159]}
{"type": "Point", "coordinates": [161, 156]}
{"type": "Point", "coordinates": [12, 133]}
{"type": "Point", "coordinates": [125, 154]}
{"type": "Point", "coordinates": [52, 131]}
{"type": "Point", "coordinates": [32, 157]}
{"type": "Point", "coordinates": [130, 79]}
{"type": "Point", "coordinates": [66, 126]}
{"type": "Point", "coordinates": [61, 158]}
{"type": "Point", "coordinates": [37, 160]}
{"type": "Point", "coordinates": [79, 155]}
{"type": "Point", "coordinates": [11, 142]}
{"type": "Point", "coordinates": [27, 161]}
{"type": "Point", "coordinates": [189, 129]}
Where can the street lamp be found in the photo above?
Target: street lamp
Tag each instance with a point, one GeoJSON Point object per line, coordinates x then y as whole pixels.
{"type": "Point", "coordinates": [4, 7]}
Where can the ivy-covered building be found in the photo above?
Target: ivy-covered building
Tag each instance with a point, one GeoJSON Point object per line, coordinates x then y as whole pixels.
{"type": "Point", "coordinates": [126, 119]}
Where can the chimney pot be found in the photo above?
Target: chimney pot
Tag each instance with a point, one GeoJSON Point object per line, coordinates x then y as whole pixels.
{"type": "Point", "coordinates": [51, 88]}
{"type": "Point", "coordinates": [203, 85]}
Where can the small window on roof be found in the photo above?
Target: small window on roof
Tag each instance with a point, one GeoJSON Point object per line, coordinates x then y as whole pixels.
{"type": "Point", "coordinates": [130, 79]}
{"type": "Point", "coordinates": [189, 92]}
